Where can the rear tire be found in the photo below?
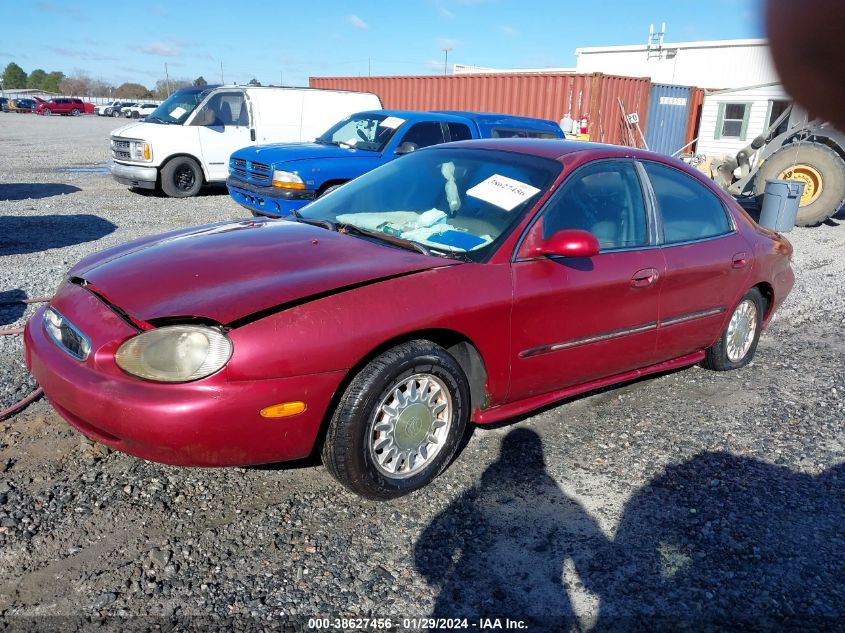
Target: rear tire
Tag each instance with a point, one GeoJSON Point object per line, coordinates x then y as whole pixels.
{"type": "Point", "coordinates": [828, 165]}
{"type": "Point", "coordinates": [75, 112]}
{"type": "Point", "coordinates": [738, 342]}
{"type": "Point", "coordinates": [181, 177]}
{"type": "Point", "coordinates": [399, 422]}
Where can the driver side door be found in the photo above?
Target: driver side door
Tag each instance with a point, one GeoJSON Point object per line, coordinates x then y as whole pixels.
{"type": "Point", "coordinates": [579, 319]}
{"type": "Point", "coordinates": [223, 127]}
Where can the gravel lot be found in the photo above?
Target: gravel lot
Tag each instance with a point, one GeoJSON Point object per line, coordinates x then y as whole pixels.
{"type": "Point", "coordinates": [694, 500]}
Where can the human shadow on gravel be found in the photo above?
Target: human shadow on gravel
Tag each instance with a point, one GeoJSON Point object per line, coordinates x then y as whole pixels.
{"type": "Point", "coordinates": [722, 542]}
{"type": "Point", "coordinates": [35, 233]}
{"type": "Point", "coordinates": [718, 543]}
{"type": "Point", "coordinates": [500, 548]}
{"type": "Point", "coordinates": [34, 190]}
{"type": "Point", "coordinates": [11, 306]}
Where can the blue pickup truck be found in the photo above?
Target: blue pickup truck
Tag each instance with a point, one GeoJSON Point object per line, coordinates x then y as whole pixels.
{"type": "Point", "coordinates": [275, 180]}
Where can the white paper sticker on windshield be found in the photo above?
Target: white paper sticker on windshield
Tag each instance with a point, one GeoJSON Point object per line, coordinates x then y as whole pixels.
{"type": "Point", "coordinates": [177, 112]}
{"type": "Point", "coordinates": [506, 193]}
{"type": "Point", "coordinates": [392, 122]}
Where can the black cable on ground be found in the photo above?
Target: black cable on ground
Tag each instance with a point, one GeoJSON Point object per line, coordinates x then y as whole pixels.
{"type": "Point", "coordinates": [22, 404]}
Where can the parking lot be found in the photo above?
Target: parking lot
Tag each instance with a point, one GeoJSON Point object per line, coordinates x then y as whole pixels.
{"type": "Point", "coordinates": [693, 497]}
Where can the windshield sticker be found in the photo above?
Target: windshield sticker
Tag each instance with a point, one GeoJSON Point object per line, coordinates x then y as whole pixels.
{"type": "Point", "coordinates": [506, 193]}
{"type": "Point", "coordinates": [351, 142]}
{"type": "Point", "coordinates": [392, 122]}
{"type": "Point", "coordinates": [177, 112]}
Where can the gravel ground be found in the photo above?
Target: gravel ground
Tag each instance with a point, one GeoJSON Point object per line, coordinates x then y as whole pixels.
{"type": "Point", "coordinates": [693, 500]}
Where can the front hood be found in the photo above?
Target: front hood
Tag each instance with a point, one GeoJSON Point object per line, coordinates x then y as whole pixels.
{"type": "Point", "coordinates": [149, 131]}
{"type": "Point", "coordinates": [286, 152]}
{"type": "Point", "coordinates": [227, 271]}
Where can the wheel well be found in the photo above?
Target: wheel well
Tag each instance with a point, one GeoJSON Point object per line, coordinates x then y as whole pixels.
{"type": "Point", "coordinates": [330, 183]}
{"type": "Point", "coordinates": [460, 347]}
{"type": "Point", "coordinates": [769, 295]}
{"type": "Point", "coordinates": [174, 156]}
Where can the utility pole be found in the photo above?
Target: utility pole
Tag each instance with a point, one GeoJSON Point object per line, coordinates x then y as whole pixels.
{"type": "Point", "coordinates": [221, 72]}
{"type": "Point", "coordinates": [167, 78]}
{"type": "Point", "coordinates": [446, 50]}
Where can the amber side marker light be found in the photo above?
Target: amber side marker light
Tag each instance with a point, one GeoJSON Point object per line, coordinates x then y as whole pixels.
{"type": "Point", "coordinates": [283, 410]}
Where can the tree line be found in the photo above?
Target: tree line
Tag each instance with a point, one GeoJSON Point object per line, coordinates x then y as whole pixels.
{"type": "Point", "coordinates": [80, 84]}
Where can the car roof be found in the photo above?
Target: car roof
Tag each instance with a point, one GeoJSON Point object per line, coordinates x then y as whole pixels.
{"type": "Point", "coordinates": [559, 149]}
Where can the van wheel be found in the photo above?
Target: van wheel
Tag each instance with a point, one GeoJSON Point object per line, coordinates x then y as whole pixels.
{"type": "Point", "coordinates": [181, 177]}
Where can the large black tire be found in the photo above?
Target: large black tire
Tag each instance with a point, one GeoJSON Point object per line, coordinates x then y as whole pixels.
{"type": "Point", "coordinates": [351, 450]}
{"type": "Point", "coordinates": [329, 189]}
{"type": "Point", "coordinates": [181, 177]}
{"type": "Point", "coordinates": [829, 166]}
{"type": "Point", "coordinates": [75, 112]}
{"type": "Point", "coordinates": [115, 113]}
{"type": "Point", "coordinates": [736, 346]}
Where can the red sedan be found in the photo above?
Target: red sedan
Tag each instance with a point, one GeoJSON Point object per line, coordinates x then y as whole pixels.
{"type": "Point", "coordinates": [469, 282]}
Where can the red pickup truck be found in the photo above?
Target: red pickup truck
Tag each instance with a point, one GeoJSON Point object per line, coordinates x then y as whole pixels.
{"type": "Point", "coordinates": [65, 105]}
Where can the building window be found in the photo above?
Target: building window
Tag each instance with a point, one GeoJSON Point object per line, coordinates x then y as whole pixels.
{"type": "Point", "coordinates": [733, 120]}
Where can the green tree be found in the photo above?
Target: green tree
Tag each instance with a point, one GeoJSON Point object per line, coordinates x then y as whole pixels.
{"type": "Point", "coordinates": [253, 82]}
{"type": "Point", "coordinates": [36, 79]}
{"type": "Point", "coordinates": [200, 81]}
{"type": "Point", "coordinates": [52, 80]}
{"type": "Point", "coordinates": [14, 77]}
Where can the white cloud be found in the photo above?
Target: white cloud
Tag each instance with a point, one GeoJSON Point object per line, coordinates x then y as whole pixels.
{"type": "Point", "coordinates": [507, 30]}
{"type": "Point", "coordinates": [162, 49]}
{"type": "Point", "coordinates": [357, 22]}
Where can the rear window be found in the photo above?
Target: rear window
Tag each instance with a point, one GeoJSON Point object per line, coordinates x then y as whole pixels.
{"type": "Point", "coordinates": [689, 210]}
{"type": "Point", "coordinates": [501, 132]}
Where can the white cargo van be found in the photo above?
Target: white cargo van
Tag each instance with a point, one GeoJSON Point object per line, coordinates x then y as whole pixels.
{"type": "Point", "coordinates": [187, 140]}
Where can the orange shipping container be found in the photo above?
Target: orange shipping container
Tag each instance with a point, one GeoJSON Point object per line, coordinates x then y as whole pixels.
{"type": "Point", "coordinates": [546, 96]}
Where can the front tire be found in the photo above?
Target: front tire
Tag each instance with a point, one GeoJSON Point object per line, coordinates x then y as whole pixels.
{"type": "Point", "coordinates": [738, 342]}
{"type": "Point", "coordinates": [48, 111]}
{"type": "Point", "coordinates": [399, 422]}
{"type": "Point", "coordinates": [181, 177]}
{"type": "Point", "coordinates": [75, 112]}
{"type": "Point", "coordinates": [820, 169]}
{"type": "Point", "coordinates": [115, 113]}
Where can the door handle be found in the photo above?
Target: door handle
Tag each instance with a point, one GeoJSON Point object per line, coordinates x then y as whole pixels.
{"type": "Point", "coordinates": [644, 278]}
{"type": "Point", "coordinates": [739, 260]}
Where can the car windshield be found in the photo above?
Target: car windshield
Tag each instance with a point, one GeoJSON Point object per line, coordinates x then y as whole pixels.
{"type": "Point", "coordinates": [178, 106]}
{"type": "Point", "coordinates": [367, 131]}
{"type": "Point", "coordinates": [455, 202]}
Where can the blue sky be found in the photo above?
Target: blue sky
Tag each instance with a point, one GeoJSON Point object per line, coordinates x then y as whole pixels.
{"type": "Point", "coordinates": [292, 41]}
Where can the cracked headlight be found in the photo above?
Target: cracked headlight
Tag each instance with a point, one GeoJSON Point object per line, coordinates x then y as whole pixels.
{"type": "Point", "coordinates": [175, 353]}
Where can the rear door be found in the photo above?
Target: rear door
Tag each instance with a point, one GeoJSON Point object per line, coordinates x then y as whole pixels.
{"type": "Point", "coordinates": [707, 261]}
{"type": "Point", "coordinates": [580, 319]}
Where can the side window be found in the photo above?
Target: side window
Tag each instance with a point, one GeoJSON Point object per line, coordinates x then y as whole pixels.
{"type": "Point", "coordinates": [604, 198]}
{"type": "Point", "coordinates": [520, 133]}
{"type": "Point", "coordinates": [732, 120]}
{"type": "Point", "coordinates": [424, 134]}
{"type": "Point", "coordinates": [690, 211]}
{"type": "Point", "coordinates": [227, 108]}
{"type": "Point", "coordinates": [459, 132]}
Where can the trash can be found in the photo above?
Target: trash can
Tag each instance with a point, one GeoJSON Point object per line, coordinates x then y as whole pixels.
{"type": "Point", "coordinates": [780, 204]}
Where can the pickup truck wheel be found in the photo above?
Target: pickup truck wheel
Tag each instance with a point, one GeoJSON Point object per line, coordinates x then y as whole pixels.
{"type": "Point", "coordinates": [399, 422]}
{"type": "Point", "coordinates": [820, 169]}
{"type": "Point", "coordinates": [181, 177]}
{"type": "Point", "coordinates": [328, 189]}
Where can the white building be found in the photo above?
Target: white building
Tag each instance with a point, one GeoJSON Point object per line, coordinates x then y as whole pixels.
{"type": "Point", "coordinates": [730, 119]}
{"type": "Point", "coordinates": [709, 64]}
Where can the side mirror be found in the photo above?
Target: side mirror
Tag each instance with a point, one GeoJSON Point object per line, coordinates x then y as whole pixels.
{"type": "Point", "coordinates": [406, 148]}
{"type": "Point", "coordinates": [569, 243]}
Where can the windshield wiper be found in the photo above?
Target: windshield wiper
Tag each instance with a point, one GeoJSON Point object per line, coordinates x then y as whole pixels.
{"type": "Point", "coordinates": [150, 117]}
{"type": "Point", "coordinates": [392, 239]}
{"type": "Point", "coordinates": [326, 224]}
